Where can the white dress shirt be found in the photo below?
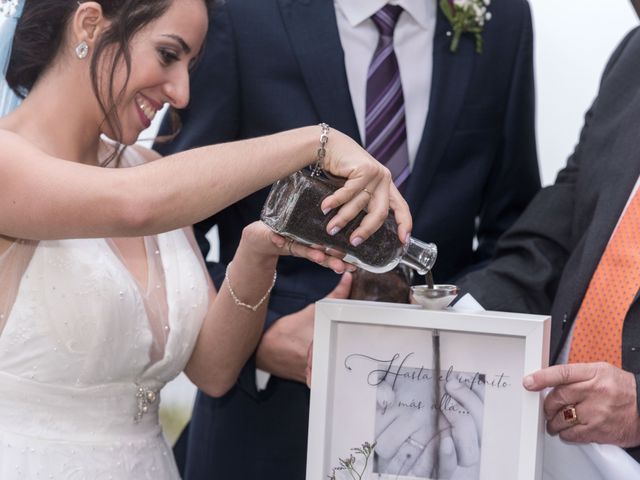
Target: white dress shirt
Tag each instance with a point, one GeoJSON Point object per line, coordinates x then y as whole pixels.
{"type": "Point", "coordinates": [413, 44]}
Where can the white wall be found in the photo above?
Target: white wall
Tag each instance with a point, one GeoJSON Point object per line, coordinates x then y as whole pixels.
{"type": "Point", "coordinates": [573, 40]}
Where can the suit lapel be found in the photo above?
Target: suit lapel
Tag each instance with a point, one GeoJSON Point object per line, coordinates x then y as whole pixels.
{"type": "Point", "coordinates": [450, 78]}
{"type": "Point", "coordinates": [313, 33]}
{"type": "Point", "coordinates": [623, 174]}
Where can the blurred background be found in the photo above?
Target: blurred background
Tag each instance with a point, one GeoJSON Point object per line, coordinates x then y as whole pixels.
{"type": "Point", "coordinates": [573, 39]}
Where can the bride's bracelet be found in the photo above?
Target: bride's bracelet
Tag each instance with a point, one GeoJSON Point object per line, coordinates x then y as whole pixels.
{"type": "Point", "coordinates": [239, 302]}
{"type": "Point", "coordinates": [318, 167]}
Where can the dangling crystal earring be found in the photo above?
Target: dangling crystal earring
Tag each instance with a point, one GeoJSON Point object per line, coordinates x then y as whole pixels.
{"type": "Point", "coordinates": [82, 50]}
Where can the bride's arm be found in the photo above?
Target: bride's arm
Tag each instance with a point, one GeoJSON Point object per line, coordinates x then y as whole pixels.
{"type": "Point", "coordinates": [230, 331]}
{"type": "Point", "coordinates": [46, 198]}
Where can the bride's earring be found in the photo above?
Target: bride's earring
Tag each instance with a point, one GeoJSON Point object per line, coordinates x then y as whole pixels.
{"type": "Point", "coordinates": [82, 50]}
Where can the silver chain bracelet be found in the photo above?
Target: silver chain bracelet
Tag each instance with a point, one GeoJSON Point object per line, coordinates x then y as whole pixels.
{"type": "Point", "coordinates": [239, 302]}
{"type": "Point", "coordinates": [317, 169]}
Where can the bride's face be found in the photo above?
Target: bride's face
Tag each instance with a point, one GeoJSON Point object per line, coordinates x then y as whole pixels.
{"type": "Point", "coordinates": [162, 54]}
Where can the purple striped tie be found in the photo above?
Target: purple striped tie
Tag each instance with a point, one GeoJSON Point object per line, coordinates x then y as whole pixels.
{"type": "Point", "coordinates": [385, 128]}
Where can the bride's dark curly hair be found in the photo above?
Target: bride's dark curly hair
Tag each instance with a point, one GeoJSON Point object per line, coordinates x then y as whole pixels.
{"type": "Point", "coordinates": [41, 31]}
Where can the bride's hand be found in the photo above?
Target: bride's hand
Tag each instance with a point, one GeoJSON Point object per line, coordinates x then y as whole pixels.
{"type": "Point", "coordinates": [368, 186]}
{"type": "Point", "coordinates": [265, 243]}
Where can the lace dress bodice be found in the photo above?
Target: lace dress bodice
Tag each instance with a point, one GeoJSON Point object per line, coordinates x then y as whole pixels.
{"type": "Point", "coordinates": [84, 352]}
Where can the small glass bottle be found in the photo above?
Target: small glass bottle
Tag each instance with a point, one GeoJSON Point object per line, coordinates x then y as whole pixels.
{"type": "Point", "coordinates": [293, 210]}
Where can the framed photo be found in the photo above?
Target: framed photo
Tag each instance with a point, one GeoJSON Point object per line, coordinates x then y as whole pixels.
{"type": "Point", "coordinates": [404, 393]}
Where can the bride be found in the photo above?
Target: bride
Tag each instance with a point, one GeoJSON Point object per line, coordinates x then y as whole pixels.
{"type": "Point", "coordinates": [103, 296]}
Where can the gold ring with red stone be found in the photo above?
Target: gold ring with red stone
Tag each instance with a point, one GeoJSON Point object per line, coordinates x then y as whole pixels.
{"type": "Point", "coordinates": [570, 415]}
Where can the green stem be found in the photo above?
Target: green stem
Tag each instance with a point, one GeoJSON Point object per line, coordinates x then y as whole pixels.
{"type": "Point", "coordinates": [479, 43]}
{"type": "Point", "coordinates": [364, 469]}
{"type": "Point", "coordinates": [455, 41]}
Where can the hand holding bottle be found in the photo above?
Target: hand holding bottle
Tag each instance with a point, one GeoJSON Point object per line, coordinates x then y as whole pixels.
{"type": "Point", "coordinates": [264, 243]}
{"type": "Point", "coordinates": [368, 187]}
{"type": "Point", "coordinates": [293, 209]}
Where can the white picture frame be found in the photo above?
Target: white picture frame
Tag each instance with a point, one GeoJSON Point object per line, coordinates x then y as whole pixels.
{"type": "Point", "coordinates": [371, 357]}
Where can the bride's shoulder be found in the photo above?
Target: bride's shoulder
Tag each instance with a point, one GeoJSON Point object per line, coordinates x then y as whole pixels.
{"type": "Point", "coordinates": [10, 139]}
{"type": "Point", "coordinates": [14, 146]}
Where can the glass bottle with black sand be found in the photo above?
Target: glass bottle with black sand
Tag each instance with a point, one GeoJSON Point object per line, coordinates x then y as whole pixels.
{"type": "Point", "coordinates": [293, 210]}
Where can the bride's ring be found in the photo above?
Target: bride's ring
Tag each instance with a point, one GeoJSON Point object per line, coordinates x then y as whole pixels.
{"type": "Point", "coordinates": [289, 245]}
{"type": "Point", "coordinates": [367, 192]}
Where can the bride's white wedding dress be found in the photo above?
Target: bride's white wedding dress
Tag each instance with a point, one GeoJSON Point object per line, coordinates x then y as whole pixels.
{"type": "Point", "coordinates": [84, 351]}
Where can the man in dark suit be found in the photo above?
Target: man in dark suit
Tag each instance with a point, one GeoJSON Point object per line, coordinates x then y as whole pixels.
{"type": "Point", "coordinates": [276, 64]}
{"type": "Point", "coordinates": [575, 253]}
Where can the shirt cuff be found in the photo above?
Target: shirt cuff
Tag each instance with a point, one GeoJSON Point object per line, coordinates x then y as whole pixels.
{"type": "Point", "coordinates": [262, 379]}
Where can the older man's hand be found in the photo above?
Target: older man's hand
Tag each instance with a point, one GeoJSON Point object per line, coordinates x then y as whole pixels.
{"type": "Point", "coordinates": [604, 399]}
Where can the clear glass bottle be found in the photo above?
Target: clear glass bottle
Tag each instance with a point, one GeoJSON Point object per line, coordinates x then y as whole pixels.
{"type": "Point", "coordinates": [293, 210]}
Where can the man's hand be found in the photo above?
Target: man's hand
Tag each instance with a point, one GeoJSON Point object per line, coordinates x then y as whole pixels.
{"type": "Point", "coordinates": [604, 397]}
{"type": "Point", "coordinates": [284, 347]}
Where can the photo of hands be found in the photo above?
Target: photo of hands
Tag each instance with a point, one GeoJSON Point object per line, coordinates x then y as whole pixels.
{"type": "Point", "coordinates": [428, 424]}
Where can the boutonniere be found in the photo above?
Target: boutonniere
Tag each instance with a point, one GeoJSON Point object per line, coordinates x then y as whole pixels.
{"type": "Point", "coordinates": [466, 16]}
{"type": "Point", "coordinates": [8, 8]}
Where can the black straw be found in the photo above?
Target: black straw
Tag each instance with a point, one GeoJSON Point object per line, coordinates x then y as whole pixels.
{"type": "Point", "coordinates": [435, 341]}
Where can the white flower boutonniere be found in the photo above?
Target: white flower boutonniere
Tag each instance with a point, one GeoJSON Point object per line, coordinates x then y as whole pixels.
{"type": "Point", "coordinates": [466, 16]}
{"type": "Point", "coordinates": [8, 8]}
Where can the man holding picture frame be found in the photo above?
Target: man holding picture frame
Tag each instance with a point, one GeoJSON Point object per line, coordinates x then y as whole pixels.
{"type": "Point", "coordinates": [574, 253]}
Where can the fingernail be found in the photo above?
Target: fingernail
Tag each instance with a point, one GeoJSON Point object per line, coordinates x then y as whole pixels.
{"type": "Point", "coordinates": [356, 241]}
{"type": "Point", "coordinates": [528, 381]}
{"type": "Point", "coordinates": [334, 230]}
{"type": "Point", "coordinates": [326, 210]}
{"type": "Point", "coordinates": [406, 239]}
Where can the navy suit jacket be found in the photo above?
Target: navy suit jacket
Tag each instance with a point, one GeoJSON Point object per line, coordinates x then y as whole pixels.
{"type": "Point", "coordinates": [272, 65]}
